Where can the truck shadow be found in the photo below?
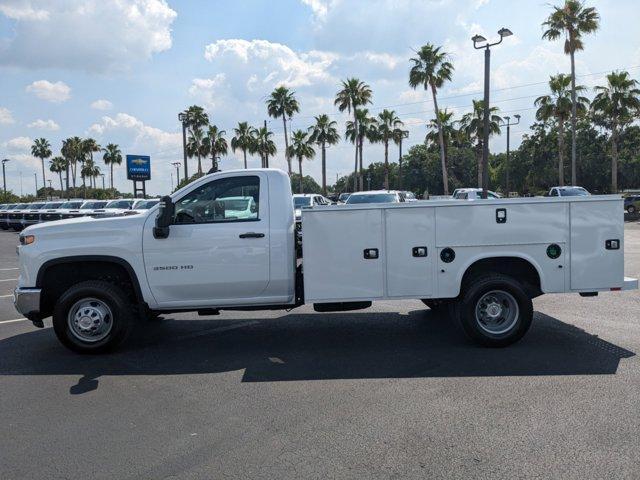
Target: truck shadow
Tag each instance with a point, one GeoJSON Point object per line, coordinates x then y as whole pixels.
{"type": "Point", "coordinates": [309, 346]}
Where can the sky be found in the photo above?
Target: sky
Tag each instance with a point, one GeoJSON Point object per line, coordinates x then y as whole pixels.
{"type": "Point", "coordinates": [120, 70]}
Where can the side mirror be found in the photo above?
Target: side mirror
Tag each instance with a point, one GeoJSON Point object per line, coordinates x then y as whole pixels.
{"type": "Point", "coordinates": [164, 218]}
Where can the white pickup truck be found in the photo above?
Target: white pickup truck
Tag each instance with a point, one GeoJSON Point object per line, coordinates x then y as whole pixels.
{"type": "Point", "coordinates": [197, 251]}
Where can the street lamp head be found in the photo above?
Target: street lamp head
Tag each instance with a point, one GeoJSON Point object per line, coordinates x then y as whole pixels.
{"type": "Point", "coordinates": [182, 117]}
{"type": "Point", "coordinates": [478, 38]}
{"type": "Point", "coordinates": [517, 115]}
{"type": "Point", "coordinates": [507, 118]}
{"type": "Point", "coordinates": [6, 160]}
{"type": "Point", "coordinates": [505, 32]}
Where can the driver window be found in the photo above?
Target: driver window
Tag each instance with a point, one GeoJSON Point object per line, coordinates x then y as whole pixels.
{"type": "Point", "coordinates": [233, 199]}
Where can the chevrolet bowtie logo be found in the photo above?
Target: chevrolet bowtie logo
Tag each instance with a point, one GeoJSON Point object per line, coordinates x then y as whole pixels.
{"type": "Point", "coordinates": [139, 161]}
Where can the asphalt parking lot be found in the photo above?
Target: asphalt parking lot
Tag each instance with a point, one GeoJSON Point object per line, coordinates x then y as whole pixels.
{"type": "Point", "coordinates": [390, 392]}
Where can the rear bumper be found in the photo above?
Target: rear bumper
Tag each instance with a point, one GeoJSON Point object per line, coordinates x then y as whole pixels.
{"type": "Point", "coordinates": [630, 283]}
{"type": "Point", "coordinates": [27, 301]}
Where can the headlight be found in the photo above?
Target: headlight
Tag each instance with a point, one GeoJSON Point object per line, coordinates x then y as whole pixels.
{"type": "Point", "coordinates": [27, 239]}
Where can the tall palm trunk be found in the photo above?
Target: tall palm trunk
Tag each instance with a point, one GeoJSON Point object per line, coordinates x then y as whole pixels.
{"type": "Point", "coordinates": [574, 180]}
{"type": "Point", "coordinates": [614, 159]}
{"type": "Point", "coordinates": [44, 180]}
{"type": "Point", "coordinates": [73, 173]}
{"type": "Point", "coordinates": [361, 174]}
{"type": "Point", "coordinates": [199, 165]}
{"type": "Point", "coordinates": [286, 143]}
{"type": "Point", "coordinates": [443, 161]}
{"type": "Point", "coordinates": [60, 176]}
{"type": "Point", "coordinates": [300, 173]}
{"type": "Point", "coordinates": [244, 152]}
{"type": "Point", "coordinates": [561, 153]}
{"type": "Point", "coordinates": [355, 142]}
{"type": "Point", "coordinates": [386, 164]}
{"type": "Point", "coordinates": [400, 179]}
{"type": "Point", "coordinates": [324, 168]}
{"type": "Point", "coordinates": [111, 180]}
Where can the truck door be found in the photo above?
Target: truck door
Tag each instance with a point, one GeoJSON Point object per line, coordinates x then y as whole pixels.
{"type": "Point", "coordinates": [217, 251]}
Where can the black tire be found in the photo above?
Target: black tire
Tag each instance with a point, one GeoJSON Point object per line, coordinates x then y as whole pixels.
{"type": "Point", "coordinates": [483, 287]}
{"type": "Point", "coordinates": [631, 209]}
{"type": "Point", "coordinates": [120, 315]}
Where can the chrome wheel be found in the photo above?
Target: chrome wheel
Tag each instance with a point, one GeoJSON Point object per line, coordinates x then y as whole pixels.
{"type": "Point", "coordinates": [497, 312]}
{"type": "Point", "coordinates": [90, 320]}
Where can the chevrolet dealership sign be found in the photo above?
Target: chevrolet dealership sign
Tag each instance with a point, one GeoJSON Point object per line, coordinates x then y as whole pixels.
{"type": "Point", "coordinates": [138, 167]}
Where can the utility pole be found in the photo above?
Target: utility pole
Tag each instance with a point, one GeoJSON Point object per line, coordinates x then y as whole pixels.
{"type": "Point", "coordinates": [266, 155]}
{"type": "Point", "coordinates": [50, 191]}
{"type": "Point", "coordinates": [503, 32]}
{"type": "Point", "coordinates": [182, 117]}
{"type": "Point", "coordinates": [102, 175]}
{"type": "Point", "coordinates": [403, 135]}
{"type": "Point", "coordinates": [177, 165]}
{"type": "Point", "coordinates": [35, 176]}
{"type": "Point", "coordinates": [20, 183]}
{"type": "Point", "coordinates": [508, 124]}
{"type": "Point", "coordinates": [4, 178]}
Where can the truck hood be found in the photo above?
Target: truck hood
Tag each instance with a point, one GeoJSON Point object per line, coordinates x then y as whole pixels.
{"type": "Point", "coordinates": [87, 225]}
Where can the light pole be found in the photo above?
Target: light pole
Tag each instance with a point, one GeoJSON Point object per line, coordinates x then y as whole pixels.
{"type": "Point", "coordinates": [50, 191]}
{"type": "Point", "coordinates": [4, 178]}
{"type": "Point", "coordinates": [35, 176]}
{"type": "Point", "coordinates": [182, 117]}
{"type": "Point", "coordinates": [403, 134]}
{"type": "Point", "coordinates": [508, 124]}
{"type": "Point", "coordinates": [177, 165]}
{"type": "Point", "coordinates": [102, 175]}
{"type": "Point", "coordinates": [503, 32]}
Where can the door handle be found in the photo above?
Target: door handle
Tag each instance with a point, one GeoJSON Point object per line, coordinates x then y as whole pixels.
{"type": "Point", "coordinates": [251, 235]}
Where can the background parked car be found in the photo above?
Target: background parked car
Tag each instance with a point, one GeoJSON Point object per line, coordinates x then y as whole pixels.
{"type": "Point", "coordinates": [473, 194]}
{"type": "Point", "coordinates": [342, 198]}
{"type": "Point", "coordinates": [33, 217]}
{"type": "Point", "coordinates": [115, 207]}
{"type": "Point", "coordinates": [568, 191]}
{"type": "Point", "coordinates": [301, 200]}
{"type": "Point", "coordinates": [632, 203]}
{"type": "Point", "coordinates": [376, 196]}
{"type": "Point", "coordinates": [16, 216]}
{"type": "Point", "coordinates": [142, 205]}
{"type": "Point", "coordinates": [67, 210]}
{"type": "Point", "coordinates": [4, 215]}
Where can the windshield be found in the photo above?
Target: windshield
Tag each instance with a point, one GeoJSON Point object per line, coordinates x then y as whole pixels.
{"type": "Point", "coordinates": [92, 205]}
{"type": "Point", "coordinates": [71, 205]}
{"type": "Point", "coordinates": [299, 202]}
{"type": "Point", "coordinates": [36, 206]}
{"type": "Point", "coordinates": [343, 196]}
{"type": "Point", "coordinates": [146, 205]}
{"type": "Point", "coordinates": [573, 192]}
{"type": "Point", "coordinates": [53, 205]}
{"type": "Point", "coordinates": [372, 198]}
{"type": "Point", "coordinates": [120, 204]}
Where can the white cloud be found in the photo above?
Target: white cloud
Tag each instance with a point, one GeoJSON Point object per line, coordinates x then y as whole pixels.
{"type": "Point", "coordinates": [102, 104]}
{"type": "Point", "coordinates": [5, 116]}
{"type": "Point", "coordinates": [90, 35]}
{"type": "Point", "coordinates": [137, 133]}
{"type": "Point", "coordinates": [320, 8]}
{"type": "Point", "coordinates": [57, 92]}
{"type": "Point", "coordinates": [44, 125]}
{"type": "Point", "coordinates": [206, 89]}
{"type": "Point", "coordinates": [18, 144]}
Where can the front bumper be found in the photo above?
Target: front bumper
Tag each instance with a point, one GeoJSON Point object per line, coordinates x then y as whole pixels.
{"type": "Point", "coordinates": [27, 301]}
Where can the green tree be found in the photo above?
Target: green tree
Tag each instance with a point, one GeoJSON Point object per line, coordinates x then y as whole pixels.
{"type": "Point", "coordinates": [386, 123]}
{"type": "Point", "coordinates": [450, 134]}
{"type": "Point", "coordinates": [282, 103]}
{"type": "Point", "coordinates": [323, 133]}
{"type": "Point", "coordinates": [196, 146]}
{"type": "Point", "coordinates": [472, 124]}
{"type": "Point", "coordinates": [431, 69]}
{"type": "Point", "coordinates": [89, 145]}
{"type": "Point", "coordinates": [243, 139]}
{"type": "Point", "coordinates": [356, 131]}
{"type": "Point", "coordinates": [58, 165]}
{"type": "Point", "coordinates": [112, 156]}
{"type": "Point", "coordinates": [309, 185]}
{"type": "Point", "coordinates": [398, 137]}
{"type": "Point", "coordinates": [353, 94]}
{"type": "Point", "coordinates": [196, 120]}
{"type": "Point", "coordinates": [557, 107]}
{"type": "Point", "coordinates": [301, 149]}
{"type": "Point", "coordinates": [572, 20]}
{"type": "Point", "coordinates": [216, 145]}
{"type": "Point", "coordinates": [615, 106]}
{"type": "Point", "coordinates": [41, 149]}
{"type": "Point", "coordinates": [264, 145]}
{"type": "Point", "coordinates": [72, 152]}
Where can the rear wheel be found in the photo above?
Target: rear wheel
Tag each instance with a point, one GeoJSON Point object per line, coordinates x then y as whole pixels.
{"type": "Point", "coordinates": [494, 310]}
{"type": "Point", "coordinates": [93, 317]}
{"type": "Point", "coordinates": [631, 209]}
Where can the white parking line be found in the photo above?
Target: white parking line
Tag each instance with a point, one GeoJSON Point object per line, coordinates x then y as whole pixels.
{"type": "Point", "coordinates": [5, 296]}
{"type": "Point", "coordinates": [9, 280]}
{"type": "Point", "coordinates": [14, 320]}
{"type": "Point", "coordinates": [5, 269]}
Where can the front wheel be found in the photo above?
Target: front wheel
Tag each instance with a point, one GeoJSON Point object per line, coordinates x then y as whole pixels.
{"type": "Point", "coordinates": [631, 209]}
{"type": "Point", "coordinates": [92, 317]}
{"type": "Point", "coordinates": [494, 310]}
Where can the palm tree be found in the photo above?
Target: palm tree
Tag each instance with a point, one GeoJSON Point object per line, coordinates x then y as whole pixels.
{"type": "Point", "coordinates": [356, 131]}
{"type": "Point", "coordinates": [243, 139]}
{"type": "Point", "coordinates": [112, 156]}
{"type": "Point", "coordinates": [89, 145]}
{"type": "Point", "coordinates": [58, 165]}
{"type": "Point", "coordinates": [431, 68]}
{"type": "Point", "coordinates": [301, 149]}
{"type": "Point", "coordinates": [398, 136]}
{"type": "Point", "coordinates": [472, 124]}
{"type": "Point", "coordinates": [196, 119]}
{"type": "Point", "coordinates": [571, 20]}
{"type": "Point", "coordinates": [282, 103]}
{"type": "Point", "coordinates": [323, 133]}
{"type": "Point", "coordinates": [557, 107]}
{"type": "Point", "coordinates": [264, 145]}
{"type": "Point", "coordinates": [216, 145]}
{"type": "Point", "coordinates": [88, 171]}
{"type": "Point", "coordinates": [449, 131]}
{"type": "Point", "coordinates": [41, 149]}
{"type": "Point", "coordinates": [72, 152]}
{"type": "Point", "coordinates": [386, 123]}
{"type": "Point", "coordinates": [353, 94]}
{"type": "Point", "coordinates": [196, 146]}
{"type": "Point", "coordinates": [614, 107]}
